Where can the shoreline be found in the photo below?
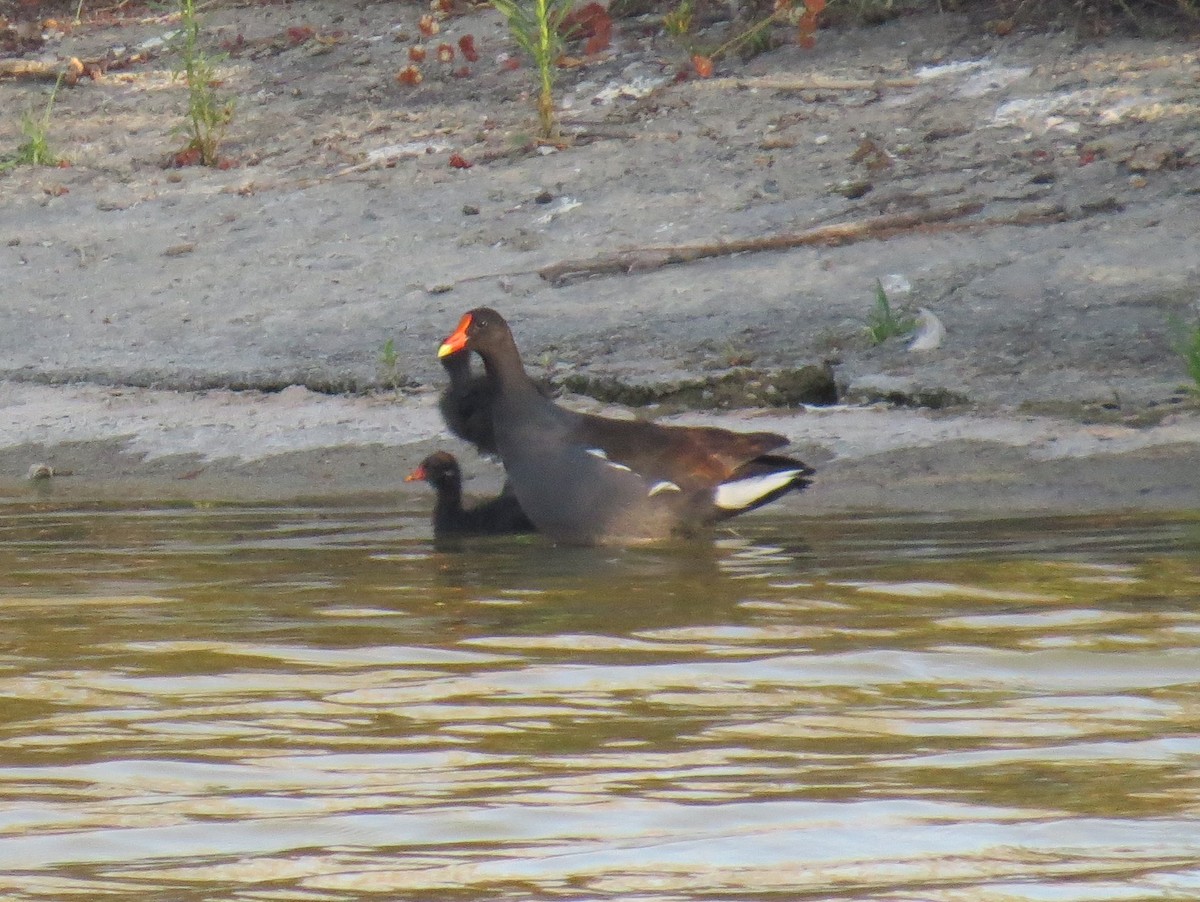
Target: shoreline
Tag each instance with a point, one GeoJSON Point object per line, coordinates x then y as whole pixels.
{"type": "Point", "coordinates": [123, 444]}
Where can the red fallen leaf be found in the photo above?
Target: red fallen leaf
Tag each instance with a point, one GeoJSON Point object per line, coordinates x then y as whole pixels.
{"type": "Point", "coordinates": [680, 76]}
{"type": "Point", "coordinates": [445, 53]}
{"type": "Point", "coordinates": [584, 22]}
{"type": "Point", "coordinates": [409, 75]}
{"type": "Point", "coordinates": [416, 54]}
{"type": "Point", "coordinates": [189, 156]}
{"type": "Point", "coordinates": [458, 161]}
{"type": "Point", "coordinates": [703, 66]}
{"type": "Point", "coordinates": [429, 25]}
{"type": "Point", "coordinates": [806, 29]}
{"type": "Point", "coordinates": [63, 164]}
{"type": "Point", "coordinates": [466, 44]}
{"type": "Point", "coordinates": [1088, 156]}
{"type": "Point", "coordinates": [512, 64]}
{"type": "Point", "coordinates": [226, 163]}
{"type": "Point", "coordinates": [462, 72]}
{"type": "Point", "coordinates": [298, 34]}
{"type": "Point", "coordinates": [600, 40]}
{"type": "Point", "coordinates": [814, 7]}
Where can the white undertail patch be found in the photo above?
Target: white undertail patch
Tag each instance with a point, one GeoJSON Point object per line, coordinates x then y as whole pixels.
{"type": "Point", "coordinates": [742, 493]}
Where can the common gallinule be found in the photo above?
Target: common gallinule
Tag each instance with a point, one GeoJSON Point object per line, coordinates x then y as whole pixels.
{"type": "Point", "coordinates": [466, 403]}
{"type": "Point", "coordinates": [588, 479]}
{"type": "Point", "coordinates": [495, 516]}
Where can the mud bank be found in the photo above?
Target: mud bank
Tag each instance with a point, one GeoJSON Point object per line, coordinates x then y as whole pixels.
{"type": "Point", "coordinates": [1071, 165]}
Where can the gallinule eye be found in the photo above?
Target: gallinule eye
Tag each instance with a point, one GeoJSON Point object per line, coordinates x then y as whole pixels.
{"type": "Point", "coordinates": [495, 516]}
{"type": "Point", "coordinates": [588, 479]}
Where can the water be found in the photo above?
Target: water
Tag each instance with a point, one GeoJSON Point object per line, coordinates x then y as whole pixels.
{"type": "Point", "coordinates": [269, 703]}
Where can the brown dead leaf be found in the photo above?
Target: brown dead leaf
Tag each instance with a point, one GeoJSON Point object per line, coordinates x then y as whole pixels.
{"type": "Point", "coordinates": [871, 154]}
{"type": "Point", "coordinates": [409, 75]}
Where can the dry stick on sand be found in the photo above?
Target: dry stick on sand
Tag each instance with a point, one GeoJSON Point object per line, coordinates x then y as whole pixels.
{"type": "Point", "coordinates": [642, 259]}
{"type": "Point", "coordinates": [39, 70]}
{"type": "Point", "coordinates": [72, 69]}
{"type": "Point", "coordinates": [805, 83]}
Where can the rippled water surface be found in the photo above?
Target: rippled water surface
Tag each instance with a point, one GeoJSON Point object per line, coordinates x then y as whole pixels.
{"type": "Point", "coordinates": [317, 704]}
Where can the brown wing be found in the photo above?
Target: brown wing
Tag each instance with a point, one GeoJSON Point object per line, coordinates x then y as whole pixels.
{"type": "Point", "coordinates": [693, 457]}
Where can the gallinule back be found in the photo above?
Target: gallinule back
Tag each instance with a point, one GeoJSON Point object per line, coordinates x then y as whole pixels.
{"type": "Point", "coordinates": [587, 479]}
{"type": "Point", "coordinates": [495, 516]}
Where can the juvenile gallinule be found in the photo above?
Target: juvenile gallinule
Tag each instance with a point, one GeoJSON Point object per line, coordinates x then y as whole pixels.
{"type": "Point", "coordinates": [588, 479]}
{"type": "Point", "coordinates": [466, 403]}
{"type": "Point", "coordinates": [495, 516]}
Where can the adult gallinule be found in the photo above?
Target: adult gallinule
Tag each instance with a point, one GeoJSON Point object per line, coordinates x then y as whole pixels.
{"type": "Point", "coordinates": [588, 479]}
{"type": "Point", "coordinates": [495, 516]}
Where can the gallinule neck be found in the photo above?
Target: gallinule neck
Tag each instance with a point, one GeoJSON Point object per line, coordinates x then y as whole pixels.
{"type": "Point", "coordinates": [588, 479]}
{"type": "Point", "coordinates": [466, 403]}
{"type": "Point", "coordinates": [495, 516]}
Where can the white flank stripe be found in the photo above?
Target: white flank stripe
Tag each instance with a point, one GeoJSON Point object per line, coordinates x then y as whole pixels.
{"type": "Point", "coordinates": [599, 453]}
{"type": "Point", "coordinates": [664, 486]}
{"type": "Point", "coordinates": [732, 496]}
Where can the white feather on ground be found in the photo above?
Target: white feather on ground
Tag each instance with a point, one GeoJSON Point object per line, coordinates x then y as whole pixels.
{"type": "Point", "coordinates": [930, 331]}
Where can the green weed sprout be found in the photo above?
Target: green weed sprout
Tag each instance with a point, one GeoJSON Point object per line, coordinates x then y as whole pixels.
{"type": "Point", "coordinates": [207, 116]}
{"type": "Point", "coordinates": [534, 25]}
{"type": "Point", "coordinates": [35, 151]}
{"type": "Point", "coordinates": [883, 322]}
{"type": "Point", "coordinates": [1185, 341]}
{"type": "Point", "coordinates": [389, 366]}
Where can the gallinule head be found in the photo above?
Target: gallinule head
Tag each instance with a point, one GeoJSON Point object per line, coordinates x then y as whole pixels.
{"type": "Point", "coordinates": [588, 479]}
{"type": "Point", "coordinates": [466, 403]}
{"type": "Point", "coordinates": [495, 516]}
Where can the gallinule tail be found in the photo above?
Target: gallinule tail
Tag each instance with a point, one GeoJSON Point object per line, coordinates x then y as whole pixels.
{"type": "Point", "coordinates": [495, 516]}
{"type": "Point", "coordinates": [588, 479]}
